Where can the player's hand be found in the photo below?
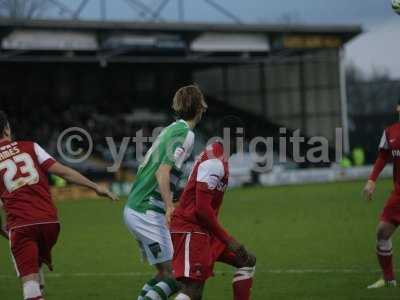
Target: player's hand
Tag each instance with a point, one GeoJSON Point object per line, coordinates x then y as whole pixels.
{"type": "Point", "coordinates": [104, 192]}
{"type": "Point", "coordinates": [369, 190]}
{"type": "Point", "coordinates": [168, 214]}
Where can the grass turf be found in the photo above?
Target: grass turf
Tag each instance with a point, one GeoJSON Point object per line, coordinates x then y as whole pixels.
{"type": "Point", "coordinates": [312, 242]}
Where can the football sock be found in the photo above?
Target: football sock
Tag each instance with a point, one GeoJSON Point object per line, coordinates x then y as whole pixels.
{"type": "Point", "coordinates": [242, 283]}
{"type": "Point", "coordinates": [31, 290]}
{"type": "Point", "coordinates": [385, 258]}
{"type": "Point", "coordinates": [162, 290]}
{"type": "Point", "coordinates": [181, 296]}
{"type": "Point", "coordinates": [147, 287]}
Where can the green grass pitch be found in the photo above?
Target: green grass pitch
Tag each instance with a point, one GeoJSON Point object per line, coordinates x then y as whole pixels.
{"type": "Point", "coordinates": [312, 242]}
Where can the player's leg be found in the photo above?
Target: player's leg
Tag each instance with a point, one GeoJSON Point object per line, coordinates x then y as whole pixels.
{"type": "Point", "coordinates": [151, 282]}
{"type": "Point", "coordinates": [243, 279]}
{"type": "Point", "coordinates": [132, 221]}
{"type": "Point", "coordinates": [242, 282]}
{"type": "Point", "coordinates": [147, 287]}
{"type": "Point", "coordinates": [154, 238]}
{"type": "Point", "coordinates": [164, 285]}
{"type": "Point", "coordinates": [47, 238]}
{"type": "Point", "coordinates": [31, 287]}
{"type": "Point", "coordinates": [25, 255]}
{"type": "Point", "coordinates": [190, 290]}
{"type": "Point", "coordinates": [384, 252]}
{"type": "Point", "coordinates": [42, 281]}
{"type": "Point", "coordinates": [159, 252]}
{"type": "Point", "coordinates": [389, 220]}
{"type": "Point", "coordinates": [192, 263]}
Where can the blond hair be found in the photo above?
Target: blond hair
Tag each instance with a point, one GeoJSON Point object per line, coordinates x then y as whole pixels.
{"type": "Point", "coordinates": [188, 102]}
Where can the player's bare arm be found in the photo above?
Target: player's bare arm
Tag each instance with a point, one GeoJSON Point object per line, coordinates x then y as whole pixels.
{"type": "Point", "coordinates": [163, 179]}
{"type": "Point", "coordinates": [380, 163]}
{"type": "Point", "coordinates": [75, 177]}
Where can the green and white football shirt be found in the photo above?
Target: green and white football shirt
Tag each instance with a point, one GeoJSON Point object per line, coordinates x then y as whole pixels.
{"type": "Point", "coordinates": [172, 147]}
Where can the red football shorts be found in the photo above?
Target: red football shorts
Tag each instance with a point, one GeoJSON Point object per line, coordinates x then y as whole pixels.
{"type": "Point", "coordinates": [31, 247]}
{"type": "Point", "coordinates": [196, 253]}
{"type": "Point", "coordinates": [391, 211]}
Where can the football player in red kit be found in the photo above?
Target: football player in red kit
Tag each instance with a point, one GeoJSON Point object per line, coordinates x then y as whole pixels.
{"type": "Point", "coordinates": [389, 151]}
{"type": "Point", "coordinates": [32, 223]}
{"type": "Point", "coordinates": [198, 238]}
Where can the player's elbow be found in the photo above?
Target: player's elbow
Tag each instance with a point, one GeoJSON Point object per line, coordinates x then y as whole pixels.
{"type": "Point", "coordinates": [62, 171]}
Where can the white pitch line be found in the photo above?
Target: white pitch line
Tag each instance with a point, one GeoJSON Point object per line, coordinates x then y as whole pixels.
{"type": "Point", "coordinates": [276, 271]}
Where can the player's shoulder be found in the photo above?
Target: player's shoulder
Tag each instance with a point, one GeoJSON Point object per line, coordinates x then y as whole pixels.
{"type": "Point", "coordinates": [210, 167]}
{"type": "Point", "coordinates": [31, 147]}
{"type": "Point", "coordinates": [23, 144]}
{"type": "Point", "coordinates": [177, 128]}
{"type": "Point", "coordinates": [181, 129]}
{"type": "Point", "coordinates": [179, 125]}
{"type": "Point", "coordinates": [395, 127]}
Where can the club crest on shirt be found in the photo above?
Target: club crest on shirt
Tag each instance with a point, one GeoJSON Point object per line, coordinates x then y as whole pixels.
{"type": "Point", "coordinates": [155, 249]}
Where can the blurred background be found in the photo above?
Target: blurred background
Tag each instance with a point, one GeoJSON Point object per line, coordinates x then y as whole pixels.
{"type": "Point", "coordinates": [112, 67]}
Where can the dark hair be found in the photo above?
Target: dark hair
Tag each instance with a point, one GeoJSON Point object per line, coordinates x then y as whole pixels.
{"type": "Point", "coordinates": [3, 122]}
{"type": "Point", "coordinates": [188, 101]}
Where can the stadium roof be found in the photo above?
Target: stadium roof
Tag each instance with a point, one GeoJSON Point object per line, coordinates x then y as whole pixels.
{"type": "Point", "coordinates": [139, 42]}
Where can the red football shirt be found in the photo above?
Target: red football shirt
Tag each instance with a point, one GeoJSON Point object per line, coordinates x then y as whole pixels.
{"type": "Point", "coordinates": [24, 188]}
{"type": "Point", "coordinates": [202, 197]}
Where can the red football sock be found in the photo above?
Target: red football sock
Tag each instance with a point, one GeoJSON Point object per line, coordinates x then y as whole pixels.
{"type": "Point", "coordinates": [242, 283]}
{"type": "Point", "coordinates": [385, 259]}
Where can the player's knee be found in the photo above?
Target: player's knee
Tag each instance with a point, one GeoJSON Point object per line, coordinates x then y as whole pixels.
{"type": "Point", "coordinates": [384, 231]}
{"type": "Point", "coordinates": [380, 233]}
{"type": "Point", "coordinates": [165, 271]}
{"type": "Point", "coordinates": [384, 246]}
{"type": "Point", "coordinates": [191, 289]}
{"type": "Point", "coordinates": [252, 260]}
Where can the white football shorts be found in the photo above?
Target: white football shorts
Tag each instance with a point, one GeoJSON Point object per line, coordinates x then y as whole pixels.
{"type": "Point", "coordinates": [152, 234]}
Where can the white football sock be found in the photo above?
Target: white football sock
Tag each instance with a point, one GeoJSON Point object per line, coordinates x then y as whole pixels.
{"type": "Point", "coordinates": [181, 296]}
{"type": "Point", "coordinates": [31, 289]}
